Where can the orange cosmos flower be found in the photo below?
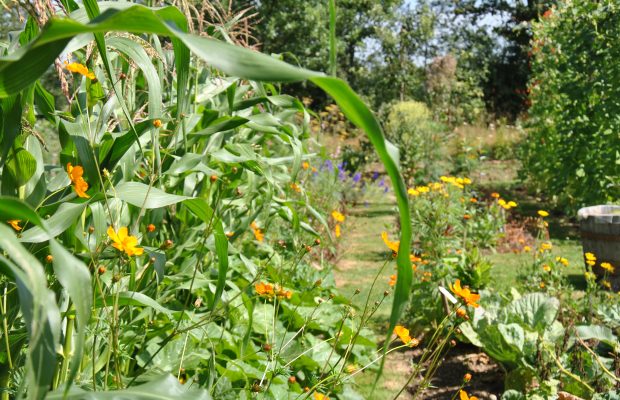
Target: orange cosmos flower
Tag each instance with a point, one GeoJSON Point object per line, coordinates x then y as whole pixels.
{"type": "Point", "coordinates": [403, 335]}
{"type": "Point", "coordinates": [79, 184]}
{"type": "Point", "coordinates": [295, 187]}
{"type": "Point", "coordinates": [392, 281]}
{"type": "Point", "coordinates": [258, 233]}
{"type": "Point", "coordinates": [305, 165]}
{"type": "Point", "coordinates": [80, 69]}
{"type": "Point", "coordinates": [283, 294]}
{"type": "Point", "coordinates": [264, 289]}
{"type": "Point", "coordinates": [150, 228]}
{"type": "Point", "coordinates": [464, 293]}
{"type": "Point", "coordinates": [125, 242]}
{"type": "Point", "coordinates": [464, 396]}
{"type": "Point", "coordinates": [15, 224]}
{"type": "Point", "coordinates": [391, 245]}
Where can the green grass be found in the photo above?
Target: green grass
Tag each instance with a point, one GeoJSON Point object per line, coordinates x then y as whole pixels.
{"type": "Point", "coordinates": [507, 267]}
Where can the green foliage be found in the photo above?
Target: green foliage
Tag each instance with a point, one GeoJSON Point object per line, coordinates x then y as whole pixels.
{"type": "Point", "coordinates": [572, 154]}
{"type": "Point", "coordinates": [178, 228]}
{"type": "Point", "coordinates": [450, 225]}
{"type": "Point", "coordinates": [410, 126]}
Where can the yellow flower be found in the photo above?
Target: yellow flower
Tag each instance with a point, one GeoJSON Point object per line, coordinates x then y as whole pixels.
{"type": "Point", "coordinates": [423, 189]}
{"type": "Point", "coordinates": [338, 216]}
{"type": "Point", "coordinates": [542, 285]}
{"type": "Point", "coordinates": [79, 184]}
{"type": "Point", "coordinates": [464, 396]}
{"type": "Point", "coordinates": [319, 396]}
{"type": "Point", "coordinates": [590, 257]}
{"type": "Point", "coordinates": [608, 267]}
{"type": "Point", "coordinates": [464, 293]}
{"type": "Point", "coordinates": [391, 245]}
{"type": "Point", "coordinates": [413, 192]}
{"type": "Point", "coordinates": [543, 213]}
{"type": "Point", "coordinates": [295, 187]}
{"type": "Point", "coordinates": [562, 261]}
{"type": "Point", "coordinates": [258, 233]}
{"type": "Point", "coordinates": [157, 123]}
{"type": "Point", "coordinates": [501, 202]}
{"type": "Point", "coordinates": [495, 195]}
{"type": "Point", "coordinates": [466, 181]}
{"type": "Point", "coordinates": [15, 224]}
{"type": "Point", "coordinates": [305, 165]}
{"type": "Point", "coordinates": [547, 268]}
{"type": "Point", "coordinates": [80, 69]}
{"type": "Point", "coordinates": [512, 204]}
{"type": "Point", "coordinates": [606, 284]}
{"type": "Point", "coordinates": [124, 242]}
{"type": "Point", "coordinates": [337, 231]}
{"type": "Point", "coordinates": [545, 246]}
{"type": "Point", "coordinates": [527, 249]}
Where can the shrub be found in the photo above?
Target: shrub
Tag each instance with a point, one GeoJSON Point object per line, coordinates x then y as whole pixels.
{"type": "Point", "coordinates": [572, 150]}
{"type": "Point", "coordinates": [410, 126]}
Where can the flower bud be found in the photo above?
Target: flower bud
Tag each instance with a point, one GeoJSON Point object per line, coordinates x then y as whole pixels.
{"type": "Point", "coordinates": [49, 259]}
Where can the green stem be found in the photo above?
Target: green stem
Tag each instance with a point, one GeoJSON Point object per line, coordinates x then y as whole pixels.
{"type": "Point", "coordinates": [67, 348]}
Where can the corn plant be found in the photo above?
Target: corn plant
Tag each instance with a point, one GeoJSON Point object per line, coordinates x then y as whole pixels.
{"type": "Point", "coordinates": [168, 234]}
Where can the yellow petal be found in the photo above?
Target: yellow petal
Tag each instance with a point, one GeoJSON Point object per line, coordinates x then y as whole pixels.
{"type": "Point", "coordinates": [122, 234]}
{"type": "Point", "coordinates": [112, 234]}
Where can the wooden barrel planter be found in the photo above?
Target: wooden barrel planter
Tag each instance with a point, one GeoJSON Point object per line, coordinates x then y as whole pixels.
{"type": "Point", "coordinates": [600, 235]}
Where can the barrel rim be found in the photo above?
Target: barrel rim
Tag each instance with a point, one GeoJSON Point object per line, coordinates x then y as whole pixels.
{"type": "Point", "coordinates": [600, 213]}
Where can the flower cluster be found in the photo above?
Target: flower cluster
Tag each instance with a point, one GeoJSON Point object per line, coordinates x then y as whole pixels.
{"type": "Point", "coordinates": [270, 291]}
{"type": "Point", "coordinates": [79, 184]}
{"type": "Point", "coordinates": [339, 218]}
{"type": "Point", "coordinates": [506, 205]}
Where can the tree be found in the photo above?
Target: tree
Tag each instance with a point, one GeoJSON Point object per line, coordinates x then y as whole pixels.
{"type": "Point", "coordinates": [505, 27]}
{"type": "Point", "coordinates": [300, 31]}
